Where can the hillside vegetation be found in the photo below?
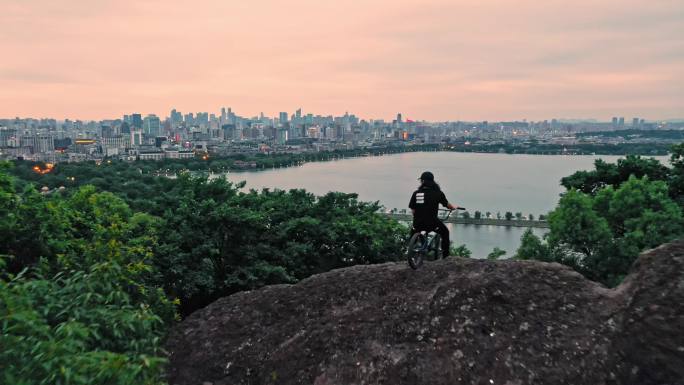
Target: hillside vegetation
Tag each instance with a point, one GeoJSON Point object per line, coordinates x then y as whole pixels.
{"type": "Point", "coordinates": [91, 280]}
{"type": "Point", "coordinates": [95, 268]}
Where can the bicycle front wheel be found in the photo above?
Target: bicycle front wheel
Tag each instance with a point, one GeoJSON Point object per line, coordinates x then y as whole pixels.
{"type": "Point", "coordinates": [415, 251]}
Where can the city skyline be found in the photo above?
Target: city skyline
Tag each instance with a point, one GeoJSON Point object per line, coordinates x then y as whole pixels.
{"type": "Point", "coordinates": [434, 60]}
{"type": "Point", "coordinates": [278, 116]}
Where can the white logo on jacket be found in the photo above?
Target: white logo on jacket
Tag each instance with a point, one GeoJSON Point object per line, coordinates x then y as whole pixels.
{"type": "Point", "coordinates": [420, 198]}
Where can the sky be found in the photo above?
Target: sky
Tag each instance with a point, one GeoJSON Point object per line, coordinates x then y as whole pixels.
{"type": "Point", "coordinates": [430, 60]}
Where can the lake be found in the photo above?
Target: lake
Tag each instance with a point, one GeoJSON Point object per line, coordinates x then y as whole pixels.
{"type": "Point", "coordinates": [486, 182]}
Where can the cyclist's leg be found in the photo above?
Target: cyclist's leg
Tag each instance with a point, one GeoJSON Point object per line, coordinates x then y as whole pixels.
{"type": "Point", "coordinates": [444, 234]}
{"type": "Point", "coordinates": [412, 230]}
{"type": "Point", "coordinates": [417, 227]}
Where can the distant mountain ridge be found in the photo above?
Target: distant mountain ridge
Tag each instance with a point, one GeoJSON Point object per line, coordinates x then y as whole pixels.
{"type": "Point", "coordinates": [458, 321]}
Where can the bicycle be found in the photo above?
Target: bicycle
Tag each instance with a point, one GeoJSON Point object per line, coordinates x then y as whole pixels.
{"type": "Point", "coordinates": [425, 244]}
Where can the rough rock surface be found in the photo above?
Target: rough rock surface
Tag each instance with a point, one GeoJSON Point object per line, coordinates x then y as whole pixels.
{"type": "Point", "coordinates": [457, 321]}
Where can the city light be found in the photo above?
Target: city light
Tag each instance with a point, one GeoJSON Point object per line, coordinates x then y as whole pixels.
{"type": "Point", "coordinates": [42, 171]}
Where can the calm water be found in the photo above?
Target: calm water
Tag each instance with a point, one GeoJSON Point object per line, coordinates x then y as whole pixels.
{"type": "Point", "coordinates": [486, 182]}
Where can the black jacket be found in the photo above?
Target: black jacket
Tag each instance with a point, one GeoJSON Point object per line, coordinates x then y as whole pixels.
{"type": "Point", "coordinates": [425, 201]}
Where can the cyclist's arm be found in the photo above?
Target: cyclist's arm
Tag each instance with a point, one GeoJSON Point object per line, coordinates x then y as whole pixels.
{"type": "Point", "coordinates": [445, 202]}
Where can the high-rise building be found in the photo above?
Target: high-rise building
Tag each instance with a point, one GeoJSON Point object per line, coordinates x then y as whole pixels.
{"type": "Point", "coordinates": [189, 119]}
{"type": "Point", "coordinates": [136, 120]}
{"type": "Point", "coordinates": [176, 117]}
{"type": "Point", "coordinates": [298, 117]}
{"type": "Point", "coordinates": [229, 131]}
{"type": "Point", "coordinates": [38, 143]}
{"type": "Point", "coordinates": [125, 128]}
{"type": "Point", "coordinates": [346, 123]}
{"type": "Point", "coordinates": [615, 122]}
{"type": "Point", "coordinates": [152, 125]}
{"type": "Point", "coordinates": [202, 118]}
{"type": "Point", "coordinates": [635, 122]}
{"type": "Point", "coordinates": [107, 131]}
{"type": "Point", "coordinates": [283, 117]}
{"type": "Point", "coordinates": [621, 122]}
{"type": "Point", "coordinates": [6, 134]}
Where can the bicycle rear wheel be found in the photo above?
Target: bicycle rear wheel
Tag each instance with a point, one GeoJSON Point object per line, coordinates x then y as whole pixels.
{"type": "Point", "coordinates": [415, 251]}
{"type": "Point", "coordinates": [434, 249]}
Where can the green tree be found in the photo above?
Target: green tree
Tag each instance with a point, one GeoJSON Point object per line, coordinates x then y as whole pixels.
{"type": "Point", "coordinates": [676, 182]}
{"type": "Point", "coordinates": [214, 247]}
{"type": "Point", "coordinates": [575, 226]}
{"type": "Point", "coordinates": [601, 235]}
{"type": "Point", "coordinates": [78, 327]}
{"type": "Point", "coordinates": [478, 215]}
{"type": "Point", "coordinates": [532, 247]}
{"type": "Point", "coordinates": [85, 311]}
{"type": "Point", "coordinates": [609, 174]}
{"type": "Point", "coordinates": [509, 215]}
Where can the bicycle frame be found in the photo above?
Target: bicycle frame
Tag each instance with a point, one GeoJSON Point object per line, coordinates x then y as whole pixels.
{"type": "Point", "coordinates": [416, 252]}
{"type": "Point", "coordinates": [430, 235]}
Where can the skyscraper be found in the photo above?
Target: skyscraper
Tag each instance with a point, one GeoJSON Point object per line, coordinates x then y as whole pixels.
{"type": "Point", "coordinates": [107, 131]}
{"type": "Point", "coordinates": [176, 117]}
{"type": "Point", "coordinates": [152, 125]}
{"type": "Point", "coordinates": [189, 119]}
{"type": "Point", "coordinates": [283, 117]}
{"type": "Point", "coordinates": [136, 120]}
{"type": "Point", "coordinates": [125, 128]}
{"type": "Point", "coordinates": [346, 122]}
{"type": "Point", "coordinates": [298, 117]}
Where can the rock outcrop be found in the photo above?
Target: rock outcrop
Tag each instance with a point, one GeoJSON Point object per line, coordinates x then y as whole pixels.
{"type": "Point", "coordinates": [458, 321]}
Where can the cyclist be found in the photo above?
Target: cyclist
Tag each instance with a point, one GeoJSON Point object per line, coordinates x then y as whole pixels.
{"type": "Point", "coordinates": [424, 205]}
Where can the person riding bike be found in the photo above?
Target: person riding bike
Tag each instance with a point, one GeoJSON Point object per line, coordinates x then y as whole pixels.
{"type": "Point", "coordinates": [424, 205]}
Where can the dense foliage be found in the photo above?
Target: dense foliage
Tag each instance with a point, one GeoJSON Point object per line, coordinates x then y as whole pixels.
{"type": "Point", "coordinates": [90, 268]}
{"type": "Point", "coordinates": [77, 302]}
{"type": "Point", "coordinates": [218, 241]}
{"type": "Point", "coordinates": [610, 214]}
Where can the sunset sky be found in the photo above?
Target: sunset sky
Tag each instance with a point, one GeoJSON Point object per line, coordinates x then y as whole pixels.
{"type": "Point", "coordinates": [431, 60]}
